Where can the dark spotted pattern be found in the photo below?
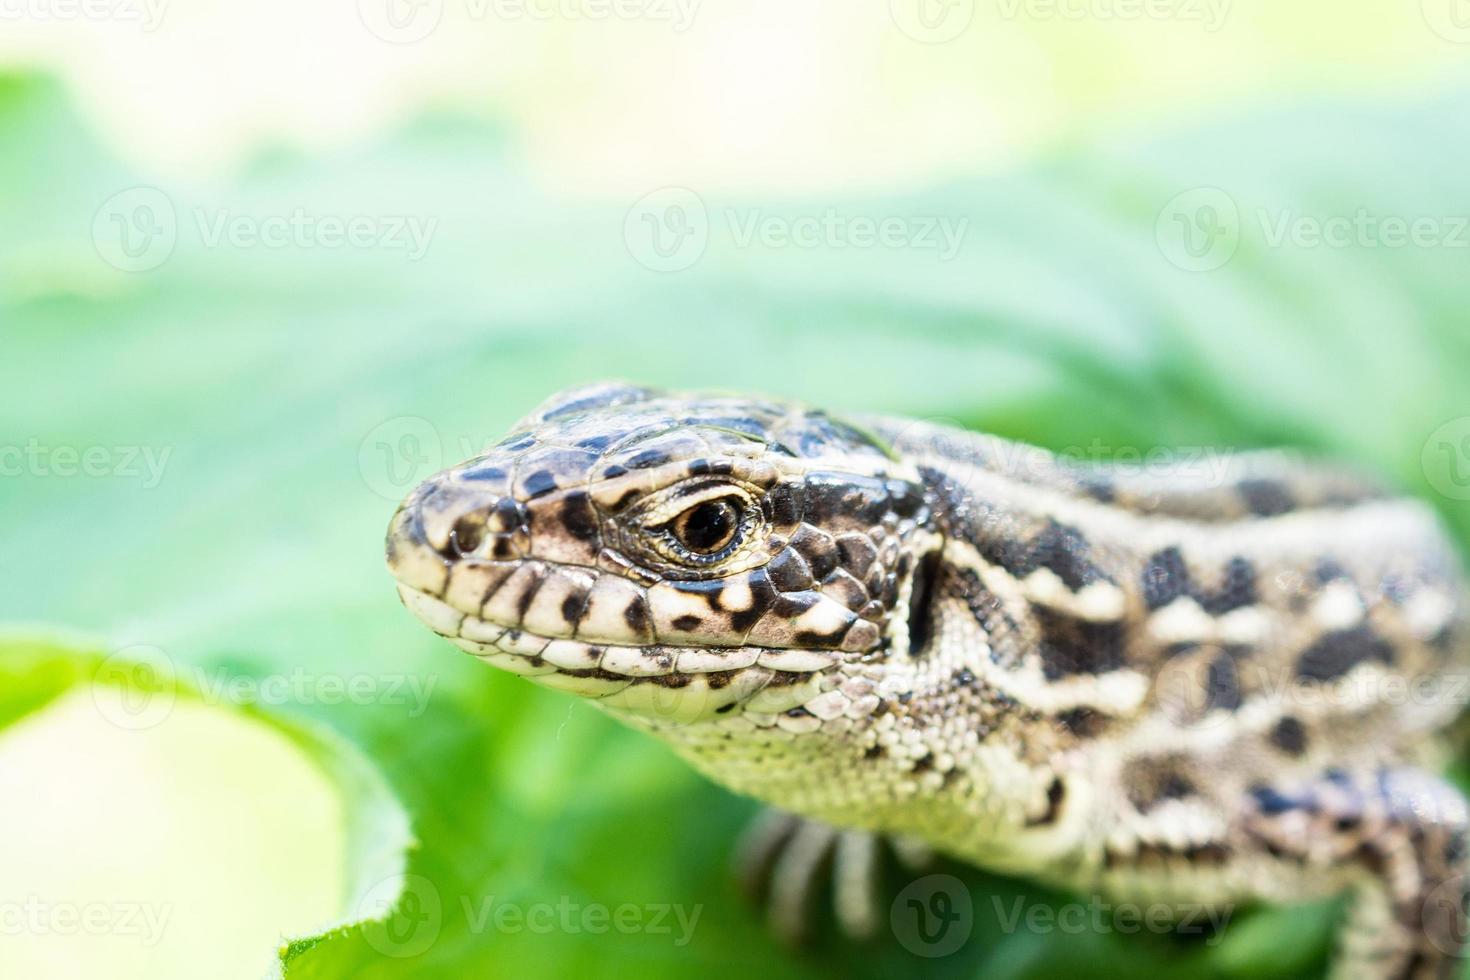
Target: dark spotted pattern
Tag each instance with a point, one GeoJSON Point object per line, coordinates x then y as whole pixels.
{"type": "Point", "coordinates": [1151, 781]}
{"type": "Point", "coordinates": [1057, 547]}
{"type": "Point", "coordinates": [1084, 723]}
{"type": "Point", "coordinates": [1166, 577]}
{"type": "Point", "coordinates": [1266, 498]}
{"type": "Point", "coordinates": [1290, 736]}
{"type": "Point", "coordinates": [1076, 646]}
{"type": "Point", "coordinates": [1155, 856]}
{"type": "Point", "coordinates": [1337, 652]}
{"type": "Point", "coordinates": [1064, 550]}
{"type": "Point", "coordinates": [592, 398]}
{"type": "Point", "coordinates": [763, 596]}
{"type": "Point", "coordinates": [1222, 684]}
{"type": "Point", "coordinates": [1200, 678]}
{"type": "Point", "coordinates": [578, 515]}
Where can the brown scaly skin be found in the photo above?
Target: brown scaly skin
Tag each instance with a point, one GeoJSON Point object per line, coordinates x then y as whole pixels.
{"type": "Point", "coordinates": [1170, 687]}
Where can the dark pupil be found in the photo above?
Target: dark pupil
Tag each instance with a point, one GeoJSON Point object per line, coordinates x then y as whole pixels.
{"type": "Point", "coordinates": [708, 527]}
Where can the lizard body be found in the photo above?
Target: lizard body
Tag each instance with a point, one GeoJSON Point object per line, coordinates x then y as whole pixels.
{"type": "Point", "coordinates": [1165, 686]}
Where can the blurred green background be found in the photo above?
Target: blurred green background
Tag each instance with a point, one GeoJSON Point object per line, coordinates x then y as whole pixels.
{"type": "Point", "coordinates": [263, 269]}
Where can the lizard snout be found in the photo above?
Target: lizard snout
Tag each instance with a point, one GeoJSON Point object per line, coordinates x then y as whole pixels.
{"type": "Point", "coordinates": [445, 522]}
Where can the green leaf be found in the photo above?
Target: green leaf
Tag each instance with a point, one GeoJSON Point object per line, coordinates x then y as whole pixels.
{"type": "Point", "coordinates": [259, 409]}
{"type": "Point", "coordinates": [320, 833]}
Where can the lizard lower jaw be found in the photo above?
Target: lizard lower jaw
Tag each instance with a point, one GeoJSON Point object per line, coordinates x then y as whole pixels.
{"type": "Point", "coordinates": [661, 683]}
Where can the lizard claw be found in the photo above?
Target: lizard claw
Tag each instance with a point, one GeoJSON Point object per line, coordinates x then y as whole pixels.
{"type": "Point", "coordinates": [782, 861]}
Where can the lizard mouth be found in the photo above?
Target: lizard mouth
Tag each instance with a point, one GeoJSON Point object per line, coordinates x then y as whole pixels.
{"type": "Point", "coordinates": [673, 684]}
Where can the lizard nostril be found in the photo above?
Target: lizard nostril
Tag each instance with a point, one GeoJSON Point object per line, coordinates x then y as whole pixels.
{"type": "Point", "coordinates": [465, 537]}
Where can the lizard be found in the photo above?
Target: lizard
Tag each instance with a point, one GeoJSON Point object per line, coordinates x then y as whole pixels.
{"type": "Point", "coordinates": [1160, 685]}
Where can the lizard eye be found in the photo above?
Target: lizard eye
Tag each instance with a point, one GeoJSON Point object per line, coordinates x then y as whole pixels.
{"type": "Point", "coordinates": [708, 527]}
{"type": "Point", "coordinates": [697, 526]}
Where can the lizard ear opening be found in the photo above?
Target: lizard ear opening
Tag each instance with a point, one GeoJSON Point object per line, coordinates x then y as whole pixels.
{"type": "Point", "coordinates": [921, 602]}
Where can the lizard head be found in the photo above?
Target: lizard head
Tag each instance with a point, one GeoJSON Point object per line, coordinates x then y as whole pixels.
{"type": "Point", "coordinates": [674, 557]}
